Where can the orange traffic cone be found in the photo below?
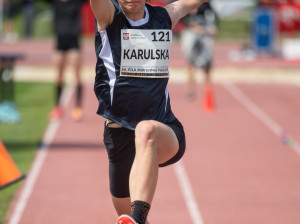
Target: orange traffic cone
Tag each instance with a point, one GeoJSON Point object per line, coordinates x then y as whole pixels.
{"type": "Point", "coordinates": [208, 100]}
{"type": "Point", "coordinates": [9, 173]}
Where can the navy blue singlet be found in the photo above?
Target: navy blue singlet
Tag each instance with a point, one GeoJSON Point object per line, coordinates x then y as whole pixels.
{"type": "Point", "coordinates": [129, 100]}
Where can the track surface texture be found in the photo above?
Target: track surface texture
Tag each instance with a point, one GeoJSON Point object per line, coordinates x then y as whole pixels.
{"type": "Point", "coordinates": [242, 163]}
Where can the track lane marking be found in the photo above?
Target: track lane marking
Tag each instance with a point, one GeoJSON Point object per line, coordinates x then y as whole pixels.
{"type": "Point", "coordinates": [38, 163]}
{"type": "Point", "coordinates": [257, 112]}
{"type": "Point", "coordinates": [188, 194]}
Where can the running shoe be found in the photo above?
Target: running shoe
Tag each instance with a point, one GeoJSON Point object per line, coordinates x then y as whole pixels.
{"type": "Point", "coordinates": [56, 113]}
{"type": "Point", "coordinates": [126, 219]}
{"type": "Point", "coordinates": [77, 114]}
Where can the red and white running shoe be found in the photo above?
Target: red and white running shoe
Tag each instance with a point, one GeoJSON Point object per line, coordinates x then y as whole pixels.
{"type": "Point", "coordinates": [126, 219]}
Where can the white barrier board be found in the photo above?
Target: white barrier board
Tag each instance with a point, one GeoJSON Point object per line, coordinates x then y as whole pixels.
{"type": "Point", "coordinates": [291, 49]}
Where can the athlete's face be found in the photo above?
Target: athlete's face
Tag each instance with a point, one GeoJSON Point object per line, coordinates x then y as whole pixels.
{"type": "Point", "coordinates": [130, 7]}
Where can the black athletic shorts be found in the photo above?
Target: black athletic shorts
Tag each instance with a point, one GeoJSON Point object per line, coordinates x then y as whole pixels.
{"type": "Point", "coordinates": [120, 146]}
{"type": "Point", "coordinates": [65, 43]}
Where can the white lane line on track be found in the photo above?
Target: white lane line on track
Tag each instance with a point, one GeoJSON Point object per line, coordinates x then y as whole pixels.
{"type": "Point", "coordinates": [257, 112]}
{"type": "Point", "coordinates": [188, 194]}
{"type": "Point", "coordinates": [38, 163]}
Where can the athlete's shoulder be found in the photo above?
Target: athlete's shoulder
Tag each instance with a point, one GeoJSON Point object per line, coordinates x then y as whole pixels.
{"type": "Point", "coordinates": [116, 5]}
{"type": "Point", "coordinates": [119, 18]}
{"type": "Point", "coordinates": [160, 12]}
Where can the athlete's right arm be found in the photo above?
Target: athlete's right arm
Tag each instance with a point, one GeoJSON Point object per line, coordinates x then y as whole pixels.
{"type": "Point", "coordinates": [104, 12]}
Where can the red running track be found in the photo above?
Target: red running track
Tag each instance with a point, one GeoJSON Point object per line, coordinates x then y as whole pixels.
{"type": "Point", "coordinates": [238, 168]}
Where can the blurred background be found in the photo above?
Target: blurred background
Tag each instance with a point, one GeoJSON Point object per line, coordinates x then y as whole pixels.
{"type": "Point", "coordinates": [262, 36]}
{"type": "Point", "coordinates": [32, 19]}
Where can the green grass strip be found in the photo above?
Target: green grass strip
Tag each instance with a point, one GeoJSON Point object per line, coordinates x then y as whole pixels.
{"type": "Point", "coordinates": [33, 100]}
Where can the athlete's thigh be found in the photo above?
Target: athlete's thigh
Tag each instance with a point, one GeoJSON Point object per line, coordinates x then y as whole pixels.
{"type": "Point", "coordinates": [119, 144]}
{"type": "Point", "coordinates": [60, 58]}
{"type": "Point", "coordinates": [74, 55]}
{"type": "Point", "coordinates": [167, 143]}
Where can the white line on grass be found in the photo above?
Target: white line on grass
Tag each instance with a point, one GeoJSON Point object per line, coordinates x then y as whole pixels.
{"type": "Point", "coordinates": [37, 164]}
{"type": "Point", "coordinates": [258, 113]}
{"type": "Point", "coordinates": [188, 193]}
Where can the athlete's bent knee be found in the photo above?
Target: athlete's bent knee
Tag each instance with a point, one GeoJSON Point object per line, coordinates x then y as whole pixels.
{"type": "Point", "coordinates": [145, 131]}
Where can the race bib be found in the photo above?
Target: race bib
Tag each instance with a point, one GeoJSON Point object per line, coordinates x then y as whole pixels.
{"type": "Point", "coordinates": [145, 53]}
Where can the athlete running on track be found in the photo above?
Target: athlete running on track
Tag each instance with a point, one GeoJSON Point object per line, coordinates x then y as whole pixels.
{"type": "Point", "coordinates": [197, 45]}
{"type": "Point", "coordinates": [67, 32]}
{"type": "Point", "coordinates": [141, 133]}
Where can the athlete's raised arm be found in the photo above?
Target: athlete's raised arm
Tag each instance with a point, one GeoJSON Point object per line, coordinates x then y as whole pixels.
{"type": "Point", "coordinates": [104, 11]}
{"type": "Point", "coordinates": [181, 8]}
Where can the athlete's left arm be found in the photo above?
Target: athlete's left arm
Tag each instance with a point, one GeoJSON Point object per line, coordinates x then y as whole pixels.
{"type": "Point", "coordinates": [181, 8]}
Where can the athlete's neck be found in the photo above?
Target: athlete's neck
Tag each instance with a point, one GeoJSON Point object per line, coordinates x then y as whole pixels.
{"type": "Point", "coordinates": [135, 16]}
